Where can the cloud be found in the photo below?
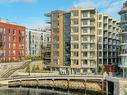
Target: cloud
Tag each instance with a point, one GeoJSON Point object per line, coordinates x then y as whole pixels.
{"type": "Point", "coordinates": [17, 1]}
{"type": "Point", "coordinates": [108, 7]}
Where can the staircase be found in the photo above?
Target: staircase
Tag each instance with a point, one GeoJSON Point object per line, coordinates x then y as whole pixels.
{"type": "Point", "coordinates": [10, 71]}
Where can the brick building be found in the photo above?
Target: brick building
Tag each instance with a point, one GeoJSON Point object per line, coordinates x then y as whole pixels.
{"type": "Point", "coordinates": [12, 42]}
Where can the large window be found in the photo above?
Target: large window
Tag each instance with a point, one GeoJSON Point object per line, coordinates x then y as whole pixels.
{"type": "Point", "coordinates": [74, 21]}
{"type": "Point", "coordinates": [56, 38]}
{"type": "Point", "coordinates": [74, 54]}
{"type": "Point", "coordinates": [85, 30]}
{"type": "Point", "coordinates": [85, 62]}
{"type": "Point", "coordinates": [124, 27]}
{"type": "Point", "coordinates": [85, 38]}
{"type": "Point", "coordinates": [85, 46]}
{"type": "Point", "coordinates": [124, 60]}
{"type": "Point", "coordinates": [124, 17]}
{"type": "Point", "coordinates": [124, 49]}
{"type": "Point", "coordinates": [84, 54]}
{"type": "Point", "coordinates": [56, 46]}
{"type": "Point", "coordinates": [124, 38]}
{"type": "Point", "coordinates": [85, 14]}
{"type": "Point", "coordinates": [75, 62]}
{"type": "Point", "coordinates": [75, 37]}
{"type": "Point", "coordinates": [74, 13]}
{"type": "Point", "coordinates": [75, 46]}
{"type": "Point", "coordinates": [75, 29]}
{"type": "Point", "coordinates": [85, 22]}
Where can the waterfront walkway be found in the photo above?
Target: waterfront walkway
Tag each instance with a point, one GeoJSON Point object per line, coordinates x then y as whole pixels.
{"type": "Point", "coordinates": [68, 77]}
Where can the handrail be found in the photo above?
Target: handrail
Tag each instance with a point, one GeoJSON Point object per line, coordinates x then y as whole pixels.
{"type": "Point", "coordinates": [10, 71]}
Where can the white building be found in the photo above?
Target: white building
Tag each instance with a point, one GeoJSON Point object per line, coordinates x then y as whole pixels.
{"type": "Point", "coordinates": [46, 37]}
{"type": "Point", "coordinates": [35, 39]}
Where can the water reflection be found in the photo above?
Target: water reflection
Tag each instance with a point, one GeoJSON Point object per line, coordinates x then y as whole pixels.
{"type": "Point", "coordinates": [32, 91]}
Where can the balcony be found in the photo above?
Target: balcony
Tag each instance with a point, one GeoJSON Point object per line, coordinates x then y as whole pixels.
{"type": "Point", "coordinates": [91, 17]}
{"type": "Point", "coordinates": [91, 33]}
{"type": "Point", "coordinates": [89, 41]}
{"type": "Point", "coordinates": [88, 25]}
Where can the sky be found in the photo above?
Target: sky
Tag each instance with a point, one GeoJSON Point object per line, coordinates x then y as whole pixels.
{"type": "Point", "coordinates": [30, 13]}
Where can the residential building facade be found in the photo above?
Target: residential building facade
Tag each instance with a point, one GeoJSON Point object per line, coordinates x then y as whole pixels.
{"type": "Point", "coordinates": [93, 40]}
{"type": "Point", "coordinates": [36, 40]}
{"type": "Point", "coordinates": [60, 38]}
{"type": "Point", "coordinates": [123, 35]}
{"type": "Point", "coordinates": [12, 42]}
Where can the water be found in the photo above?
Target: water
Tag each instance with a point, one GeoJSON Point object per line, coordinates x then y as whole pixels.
{"type": "Point", "coordinates": [35, 91]}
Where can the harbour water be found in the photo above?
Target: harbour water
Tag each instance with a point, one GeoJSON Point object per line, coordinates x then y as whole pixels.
{"type": "Point", "coordinates": [36, 91]}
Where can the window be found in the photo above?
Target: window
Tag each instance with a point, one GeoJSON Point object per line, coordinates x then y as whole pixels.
{"type": "Point", "coordinates": [75, 45]}
{"type": "Point", "coordinates": [91, 30]}
{"type": "Point", "coordinates": [84, 54]}
{"type": "Point", "coordinates": [100, 31]}
{"type": "Point", "coordinates": [1, 29]}
{"type": "Point", "coordinates": [124, 17]}
{"type": "Point", "coordinates": [55, 61]}
{"type": "Point", "coordinates": [100, 61]}
{"type": "Point", "coordinates": [74, 21]}
{"type": "Point", "coordinates": [100, 17]}
{"type": "Point", "coordinates": [56, 38]}
{"type": "Point", "coordinates": [110, 47]}
{"type": "Point", "coordinates": [75, 29]}
{"type": "Point", "coordinates": [56, 46]}
{"type": "Point", "coordinates": [100, 24]}
{"type": "Point", "coordinates": [74, 13]}
{"type": "Point", "coordinates": [85, 22]}
{"type": "Point", "coordinates": [55, 30]}
{"type": "Point", "coordinates": [75, 37]}
{"type": "Point", "coordinates": [92, 23]}
{"type": "Point", "coordinates": [74, 54]}
{"type": "Point", "coordinates": [92, 54]}
{"type": "Point", "coordinates": [85, 38]}
{"type": "Point", "coordinates": [100, 39]}
{"type": "Point", "coordinates": [85, 14]}
{"type": "Point", "coordinates": [124, 38]}
{"type": "Point", "coordinates": [85, 46]}
{"type": "Point", "coordinates": [56, 54]}
{"type": "Point", "coordinates": [85, 30]}
{"type": "Point", "coordinates": [75, 62]}
{"type": "Point", "coordinates": [92, 46]}
{"type": "Point", "coordinates": [100, 54]}
{"type": "Point", "coordinates": [85, 62]}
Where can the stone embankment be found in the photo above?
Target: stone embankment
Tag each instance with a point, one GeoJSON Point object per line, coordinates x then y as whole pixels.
{"type": "Point", "coordinates": [62, 84]}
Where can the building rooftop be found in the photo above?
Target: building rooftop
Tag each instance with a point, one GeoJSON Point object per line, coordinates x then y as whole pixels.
{"type": "Point", "coordinates": [52, 12]}
{"type": "Point", "coordinates": [6, 21]}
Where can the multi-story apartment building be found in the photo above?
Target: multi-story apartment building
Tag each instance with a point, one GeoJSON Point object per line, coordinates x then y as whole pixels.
{"type": "Point", "coordinates": [123, 24]}
{"type": "Point", "coordinates": [34, 42]}
{"type": "Point", "coordinates": [94, 40]}
{"type": "Point", "coordinates": [12, 42]}
{"type": "Point", "coordinates": [46, 37]}
{"type": "Point", "coordinates": [36, 39]}
{"type": "Point", "coordinates": [60, 38]}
